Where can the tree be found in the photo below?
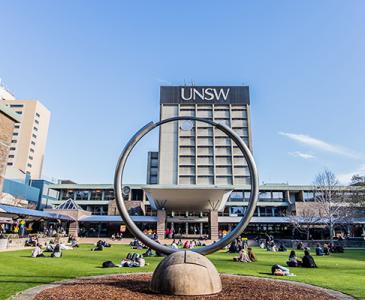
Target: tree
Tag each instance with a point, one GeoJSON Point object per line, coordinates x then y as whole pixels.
{"type": "Point", "coordinates": [358, 180]}
{"type": "Point", "coordinates": [304, 221]}
{"type": "Point", "coordinates": [334, 207]}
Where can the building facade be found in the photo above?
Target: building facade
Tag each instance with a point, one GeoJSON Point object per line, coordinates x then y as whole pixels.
{"type": "Point", "coordinates": [29, 138]}
{"type": "Point", "coordinates": [196, 152]}
{"type": "Point", "coordinates": [8, 120]}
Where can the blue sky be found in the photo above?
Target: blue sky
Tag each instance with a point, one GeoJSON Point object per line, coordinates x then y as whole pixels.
{"type": "Point", "coordinates": [98, 65]}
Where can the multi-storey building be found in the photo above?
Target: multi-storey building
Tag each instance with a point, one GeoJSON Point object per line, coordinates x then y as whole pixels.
{"type": "Point", "coordinates": [196, 152]}
{"type": "Point", "coordinates": [29, 138]}
{"type": "Point", "coordinates": [195, 156]}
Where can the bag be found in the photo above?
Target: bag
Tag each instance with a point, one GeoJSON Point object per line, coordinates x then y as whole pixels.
{"type": "Point", "coordinates": [108, 264]}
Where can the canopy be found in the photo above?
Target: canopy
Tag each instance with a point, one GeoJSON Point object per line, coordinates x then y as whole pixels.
{"type": "Point", "coordinates": [11, 211]}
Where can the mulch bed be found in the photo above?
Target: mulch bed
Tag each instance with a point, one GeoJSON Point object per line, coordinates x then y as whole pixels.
{"type": "Point", "coordinates": [135, 287]}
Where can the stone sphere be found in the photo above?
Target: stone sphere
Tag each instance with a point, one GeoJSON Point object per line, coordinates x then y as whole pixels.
{"type": "Point", "coordinates": [186, 273]}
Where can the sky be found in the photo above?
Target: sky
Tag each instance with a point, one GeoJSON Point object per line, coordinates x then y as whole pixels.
{"type": "Point", "coordinates": [97, 66]}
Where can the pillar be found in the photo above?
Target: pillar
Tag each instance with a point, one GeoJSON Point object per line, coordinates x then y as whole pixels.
{"type": "Point", "coordinates": [73, 229]}
{"type": "Point", "coordinates": [213, 224]}
{"type": "Point", "coordinates": [161, 223]}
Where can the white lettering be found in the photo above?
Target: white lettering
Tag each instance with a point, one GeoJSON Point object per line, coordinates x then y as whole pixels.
{"type": "Point", "coordinates": [221, 92]}
{"type": "Point", "coordinates": [183, 94]}
{"type": "Point", "coordinates": [208, 94]}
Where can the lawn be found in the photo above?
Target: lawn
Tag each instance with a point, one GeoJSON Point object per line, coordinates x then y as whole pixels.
{"type": "Point", "coordinates": [18, 271]}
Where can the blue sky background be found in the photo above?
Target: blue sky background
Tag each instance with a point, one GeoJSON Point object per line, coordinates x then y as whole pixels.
{"type": "Point", "coordinates": [98, 65]}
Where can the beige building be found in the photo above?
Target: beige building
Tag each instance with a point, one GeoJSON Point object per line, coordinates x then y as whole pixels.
{"type": "Point", "coordinates": [29, 138]}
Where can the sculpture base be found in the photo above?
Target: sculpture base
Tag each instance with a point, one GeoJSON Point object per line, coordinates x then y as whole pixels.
{"type": "Point", "coordinates": [186, 273]}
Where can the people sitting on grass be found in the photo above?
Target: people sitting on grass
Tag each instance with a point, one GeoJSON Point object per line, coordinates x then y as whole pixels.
{"type": "Point", "coordinates": [282, 248]}
{"type": "Point", "coordinates": [270, 246]}
{"type": "Point", "coordinates": [319, 250]}
{"type": "Point", "coordinates": [174, 245]}
{"type": "Point", "coordinates": [243, 256]}
{"type": "Point", "coordinates": [300, 246]}
{"type": "Point", "coordinates": [49, 246]}
{"type": "Point", "coordinates": [308, 260]}
{"type": "Point", "coordinates": [148, 253]}
{"type": "Point", "coordinates": [233, 248]}
{"type": "Point", "coordinates": [133, 260]}
{"type": "Point", "coordinates": [30, 242]}
{"type": "Point", "coordinates": [293, 261]}
{"type": "Point", "coordinates": [326, 250]}
{"type": "Point", "coordinates": [99, 246]}
{"type": "Point", "coordinates": [251, 255]}
{"type": "Point", "coordinates": [37, 251]}
{"type": "Point", "coordinates": [135, 244]}
{"type": "Point", "coordinates": [57, 252]}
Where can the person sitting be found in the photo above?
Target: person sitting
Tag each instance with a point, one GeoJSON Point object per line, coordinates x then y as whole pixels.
{"type": "Point", "coordinates": [293, 260]}
{"type": "Point", "coordinates": [338, 249]}
{"type": "Point", "coordinates": [251, 255]}
{"type": "Point", "coordinates": [174, 245]}
{"type": "Point", "coordinates": [148, 253]}
{"type": "Point", "coordinates": [300, 246]}
{"type": "Point", "coordinates": [30, 242]}
{"type": "Point", "coordinates": [243, 257]}
{"type": "Point", "coordinates": [57, 252]}
{"type": "Point", "coordinates": [186, 245]}
{"type": "Point", "coordinates": [74, 243]}
{"type": "Point", "coordinates": [179, 243]}
{"type": "Point", "coordinates": [326, 250]}
{"type": "Point", "coordinates": [308, 260]}
{"type": "Point", "coordinates": [282, 248]}
{"type": "Point", "coordinates": [37, 251]}
{"type": "Point", "coordinates": [233, 247]}
{"type": "Point", "coordinates": [99, 247]}
{"type": "Point", "coordinates": [319, 250]}
{"type": "Point", "coordinates": [49, 247]}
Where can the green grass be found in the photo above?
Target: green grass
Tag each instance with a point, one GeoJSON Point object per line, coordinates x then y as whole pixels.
{"type": "Point", "coordinates": [18, 271]}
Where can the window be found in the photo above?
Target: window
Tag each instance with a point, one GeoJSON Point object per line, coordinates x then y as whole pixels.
{"type": "Point", "coordinates": [308, 196]}
{"type": "Point", "coordinates": [236, 196]}
{"type": "Point", "coordinates": [96, 194]}
{"type": "Point", "coordinates": [9, 164]}
{"type": "Point", "coordinates": [82, 195]}
{"type": "Point", "coordinates": [278, 195]}
{"type": "Point", "coordinates": [29, 165]}
{"type": "Point", "coordinates": [265, 195]}
{"type": "Point", "coordinates": [32, 142]}
{"type": "Point", "coordinates": [19, 112]}
{"type": "Point", "coordinates": [31, 157]}
{"type": "Point", "coordinates": [16, 105]}
{"type": "Point", "coordinates": [12, 148]}
{"type": "Point", "coordinates": [137, 194]}
{"type": "Point", "coordinates": [31, 150]}
{"type": "Point", "coordinates": [15, 133]}
{"type": "Point", "coordinates": [17, 126]}
{"type": "Point", "coordinates": [11, 156]}
{"type": "Point", "coordinates": [38, 115]}
{"type": "Point", "coordinates": [35, 128]}
{"type": "Point", "coordinates": [33, 135]}
{"type": "Point", "coordinates": [13, 141]}
{"type": "Point", "coordinates": [36, 121]}
{"type": "Point", "coordinates": [109, 195]}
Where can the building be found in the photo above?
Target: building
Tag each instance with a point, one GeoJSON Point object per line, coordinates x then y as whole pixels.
{"type": "Point", "coordinates": [8, 120]}
{"type": "Point", "coordinates": [196, 162]}
{"type": "Point", "coordinates": [29, 138]}
{"type": "Point", "coordinates": [197, 153]}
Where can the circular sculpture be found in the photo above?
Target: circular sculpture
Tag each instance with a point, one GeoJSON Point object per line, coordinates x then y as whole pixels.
{"type": "Point", "coordinates": [168, 277]}
{"type": "Point", "coordinates": [118, 184]}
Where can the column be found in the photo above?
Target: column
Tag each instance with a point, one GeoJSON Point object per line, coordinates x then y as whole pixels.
{"type": "Point", "coordinates": [161, 223]}
{"type": "Point", "coordinates": [201, 229]}
{"type": "Point", "coordinates": [73, 228]}
{"type": "Point", "coordinates": [213, 224]}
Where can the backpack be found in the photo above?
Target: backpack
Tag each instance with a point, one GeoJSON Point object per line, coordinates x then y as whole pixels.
{"type": "Point", "coordinates": [108, 264]}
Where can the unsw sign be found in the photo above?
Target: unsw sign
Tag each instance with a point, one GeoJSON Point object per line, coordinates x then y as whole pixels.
{"type": "Point", "coordinates": [204, 94]}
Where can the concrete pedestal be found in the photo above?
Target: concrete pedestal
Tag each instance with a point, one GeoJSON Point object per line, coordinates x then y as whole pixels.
{"type": "Point", "coordinates": [186, 273]}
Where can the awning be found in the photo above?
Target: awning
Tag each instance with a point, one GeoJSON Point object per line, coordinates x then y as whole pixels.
{"type": "Point", "coordinates": [117, 219]}
{"type": "Point", "coordinates": [11, 211]}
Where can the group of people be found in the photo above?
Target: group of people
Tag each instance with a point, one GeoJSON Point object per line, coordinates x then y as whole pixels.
{"type": "Point", "coordinates": [132, 260]}
{"type": "Point", "coordinates": [327, 249]}
{"type": "Point", "coordinates": [306, 262]}
{"type": "Point", "coordinates": [246, 255]}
